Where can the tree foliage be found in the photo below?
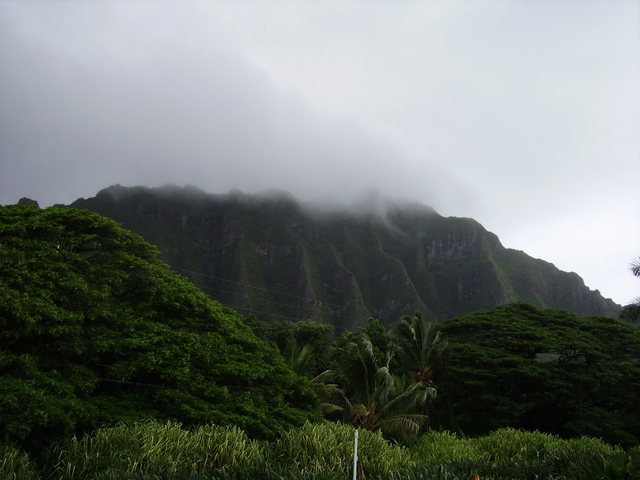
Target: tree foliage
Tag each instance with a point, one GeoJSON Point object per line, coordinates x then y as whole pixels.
{"type": "Point", "coordinates": [421, 345]}
{"type": "Point", "coordinates": [551, 370]}
{"type": "Point", "coordinates": [380, 399]}
{"type": "Point", "coordinates": [94, 329]}
{"type": "Point", "coordinates": [631, 312]}
{"type": "Point", "coordinates": [292, 338]}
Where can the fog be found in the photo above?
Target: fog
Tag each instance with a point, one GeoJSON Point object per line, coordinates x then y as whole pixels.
{"type": "Point", "coordinates": [522, 115]}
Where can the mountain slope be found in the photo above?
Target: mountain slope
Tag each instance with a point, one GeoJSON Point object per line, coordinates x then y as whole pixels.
{"type": "Point", "coordinates": [272, 255]}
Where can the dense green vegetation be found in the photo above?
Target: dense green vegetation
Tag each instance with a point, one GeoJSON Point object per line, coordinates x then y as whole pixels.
{"type": "Point", "coordinates": [323, 451]}
{"type": "Point", "coordinates": [113, 366]}
{"type": "Point", "coordinates": [512, 366]}
{"type": "Point", "coordinates": [95, 329]}
{"type": "Point", "coordinates": [522, 367]}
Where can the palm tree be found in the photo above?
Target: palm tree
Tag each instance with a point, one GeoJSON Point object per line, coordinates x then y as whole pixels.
{"type": "Point", "coordinates": [298, 360]}
{"type": "Point", "coordinates": [631, 312]}
{"type": "Point", "coordinates": [380, 399]}
{"type": "Point", "coordinates": [421, 343]}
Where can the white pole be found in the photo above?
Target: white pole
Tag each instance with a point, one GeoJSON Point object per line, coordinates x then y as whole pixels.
{"type": "Point", "coordinates": [355, 456]}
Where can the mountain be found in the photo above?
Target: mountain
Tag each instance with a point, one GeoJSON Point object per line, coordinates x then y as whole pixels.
{"type": "Point", "coordinates": [273, 256]}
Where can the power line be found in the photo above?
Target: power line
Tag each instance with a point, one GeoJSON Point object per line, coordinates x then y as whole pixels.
{"type": "Point", "coordinates": [252, 310]}
{"type": "Point", "coordinates": [254, 287]}
{"type": "Point", "coordinates": [261, 299]}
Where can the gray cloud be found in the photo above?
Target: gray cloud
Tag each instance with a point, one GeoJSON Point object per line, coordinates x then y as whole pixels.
{"type": "Point", "coordinates": [524, 115]}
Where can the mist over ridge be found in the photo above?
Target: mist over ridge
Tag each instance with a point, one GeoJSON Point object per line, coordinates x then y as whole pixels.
{"type": "Point", "coordinates": [272, 255]}
{"type": "Point", "coordinates": [370, 201]}
{"type": "Point", "coordinates": [522, 115]}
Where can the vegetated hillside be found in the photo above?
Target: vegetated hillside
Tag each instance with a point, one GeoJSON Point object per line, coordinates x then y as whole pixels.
{"type": "Point", "coordinates": [271, 255]}
{"type": "Point", "coordinates": [94, 329]}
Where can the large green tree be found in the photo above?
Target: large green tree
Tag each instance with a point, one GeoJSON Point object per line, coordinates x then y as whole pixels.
{"type": "Point", "coordinates": [518, 366]}
{"type": "Point", "coordinates": [94, 329]}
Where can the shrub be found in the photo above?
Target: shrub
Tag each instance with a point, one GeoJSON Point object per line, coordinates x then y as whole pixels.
{"type": "Point", "coordinates": [588, 446]}
{"type": "Point", "coordinates": [508, 454]}
{"type": "Point", "coordinates": [327, 448]}
{"type": "Point", "coordinates": [437, 448]}
{"type": "Point", "coordinates": [151, 447]}
{"type": "Point", "coordinates": [510, 443]}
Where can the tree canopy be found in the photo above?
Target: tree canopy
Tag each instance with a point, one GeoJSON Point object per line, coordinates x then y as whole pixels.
{"type": "Point", "coordinates": [551, 370]}
{"type": "Point", "coordinates": [95, 329]}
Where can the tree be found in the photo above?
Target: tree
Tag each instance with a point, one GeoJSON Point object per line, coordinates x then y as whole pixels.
{"type": "Point", "coordinates": [379, 399]}
{"type": "Point", "coordinates": [421, 344]}
{"type": "Point", "coordinates": [95, 329]}
{"type": "Point", "coordinates": [551, 370]}
{"type": "Point", "coordinates": [631, 312]}
{"type": "Point", "coordinates": [315, 336]}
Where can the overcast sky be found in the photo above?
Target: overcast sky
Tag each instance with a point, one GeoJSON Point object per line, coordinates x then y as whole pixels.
{"type": "Point", "coordinates": [524, 115]}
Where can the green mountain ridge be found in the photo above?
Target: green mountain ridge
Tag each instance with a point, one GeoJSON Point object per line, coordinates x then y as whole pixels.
{"type": "Point", "coordinates": [273, 256]}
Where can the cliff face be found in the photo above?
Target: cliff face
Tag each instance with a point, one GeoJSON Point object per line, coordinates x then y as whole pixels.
{"type": "Point", "coordinates": [269, 256]}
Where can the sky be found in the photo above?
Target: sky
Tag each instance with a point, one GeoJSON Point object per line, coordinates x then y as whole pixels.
{"type": "Point", "coordinates": [522, 114]}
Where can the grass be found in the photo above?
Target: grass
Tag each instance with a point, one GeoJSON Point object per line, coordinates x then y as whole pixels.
{"type": "Point", "coordinates": [150, 447]}
{"type": "Point", "coordinates": [15, 464]}
{"type": "Point", "coordinates": [323, 451]}
{"type": "Point", "coordinates": [327, 449]}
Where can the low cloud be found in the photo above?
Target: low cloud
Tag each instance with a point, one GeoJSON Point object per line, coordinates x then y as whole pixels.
{"type": "Point", "coordinates": [184, 111]}
{"type": "Point", "coordinates": [523, 115]}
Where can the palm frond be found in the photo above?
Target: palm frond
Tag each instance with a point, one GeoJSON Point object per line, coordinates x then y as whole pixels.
{"type": "Point", "coordinates": [421, 342]}
{"type": "Point", "coordinates": [302, 360]}
{"type": "Point", "coordinates": [323, 377]}
{"type": "Point", "coordinates": [635, 267]}
{"type": "Point", "coordinates": [631, 313]}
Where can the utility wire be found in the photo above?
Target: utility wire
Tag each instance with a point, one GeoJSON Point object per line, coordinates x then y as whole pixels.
{"type": "Point", "coordinates": [261, 299]}
{"type": "Point", "coordinates": [252, 286]}
{"type": "Point", "coordinates": [299, 307]}
{"type": "Point", "coordinates": [251, 310]}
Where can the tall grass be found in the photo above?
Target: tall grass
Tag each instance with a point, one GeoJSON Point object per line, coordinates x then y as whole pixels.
{"type": "Point", "coordinates": [327, 449]}
{"type": "Point", "coordinates": [438, 448]}
{"type": "Point", "coordinates": [509, 454]}
{"type": "Point", "coordinates": [324, 451]}
{"type": "Point", "coordinates": [150, 447]}
{"type": "Point", "coordinates": [15, 464]}
{"type": "Point", "coordinates": [510, 443]}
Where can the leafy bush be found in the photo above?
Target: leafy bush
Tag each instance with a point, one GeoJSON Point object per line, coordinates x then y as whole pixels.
{"type": "Point", "coordinates": [151, 447]}
{"type": "Point", "coordinates": [257, 470]}
{"type": "Point", "coordinates": [165, 451]}
{"type": "Point", "coordinates": [327, 448]}
{"type": "Point", "coordinates": [437, 448]}
{"type": "Point", "coordinates": [510, 443]}
{"type": "Point", "coordinates": [509, 454]}
{"type": "Point", "coordinates": [588, 446]}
